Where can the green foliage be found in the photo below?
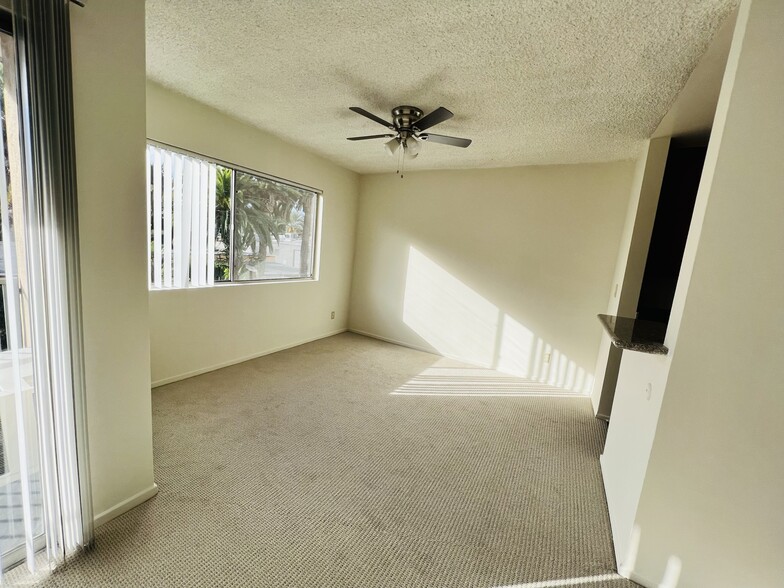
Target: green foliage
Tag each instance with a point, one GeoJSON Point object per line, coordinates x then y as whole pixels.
{"type": "Point", "coordinates": [296, 221]}
{"type": "Point", "coordinates": [223, 205]}
{"type": "Point", "coordinates": [222, 223]}
{"type": "Point", "coordinates": [263, 211]}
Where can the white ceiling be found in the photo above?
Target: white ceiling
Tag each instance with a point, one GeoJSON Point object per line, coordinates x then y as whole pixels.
{"type": "Point", "coordinates": [531, 82]}
{"type": "Point", "coordinates": [693, 110]}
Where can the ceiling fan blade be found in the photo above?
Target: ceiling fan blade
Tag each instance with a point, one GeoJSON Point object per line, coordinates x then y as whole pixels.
{"type": "Point", "coordinates": [444, 140]}
{"type": "Point", "coordinates": [387, 136]}
{"type": "Point", "coordinates": [371, 116]}
{"type": "Point", "coordinates": [439, 115]}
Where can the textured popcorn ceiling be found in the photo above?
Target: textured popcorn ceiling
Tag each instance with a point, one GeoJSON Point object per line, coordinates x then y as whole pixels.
{"type": "Point", "coordinates": [531, 82]}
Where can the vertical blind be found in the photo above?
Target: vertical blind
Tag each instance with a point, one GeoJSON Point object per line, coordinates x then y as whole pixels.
{"type": "Point", "coordinates": [181, 232]}
{"type": "Point", "coordinates": [43, 368]}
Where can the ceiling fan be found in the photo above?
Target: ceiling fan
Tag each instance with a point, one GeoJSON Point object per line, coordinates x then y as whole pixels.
{"type": "Point", "coordinates": [407, 131]}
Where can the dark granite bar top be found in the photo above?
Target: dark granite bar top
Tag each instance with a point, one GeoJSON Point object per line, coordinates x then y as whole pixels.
{"type": "Point", "coordinates": [635, 334]}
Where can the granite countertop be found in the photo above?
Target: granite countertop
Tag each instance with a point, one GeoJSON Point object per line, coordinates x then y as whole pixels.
{"type": "Point", "coordinates": [635, 334]}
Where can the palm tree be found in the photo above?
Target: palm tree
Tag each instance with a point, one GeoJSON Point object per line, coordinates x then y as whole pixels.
{"type": "Point", "coordinates": [263, 210]}
{"type": "Point", "coordinates": [222, 222]}
{"type": "Point", "coordinates": [296, 221]}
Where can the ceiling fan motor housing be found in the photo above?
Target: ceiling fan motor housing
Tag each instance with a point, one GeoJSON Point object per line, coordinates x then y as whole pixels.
{"type": "Point", "coordinates": [404, 117]}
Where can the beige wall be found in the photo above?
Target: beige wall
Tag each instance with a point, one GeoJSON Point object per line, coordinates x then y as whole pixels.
{"type": "Point", "coordinates": [109, 77]}
{"type": "Point", "coordinates": [714, 487]}
{"type": "Point", "coordinates": [495, 267]}
{"type": "Point", "coordinates": [630, 265]}
{"type": "Point", "coordinates": [199, 329]}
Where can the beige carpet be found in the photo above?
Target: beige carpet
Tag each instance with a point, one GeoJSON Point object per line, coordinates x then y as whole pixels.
{"type": "Point", "coordinates": [350, 462]}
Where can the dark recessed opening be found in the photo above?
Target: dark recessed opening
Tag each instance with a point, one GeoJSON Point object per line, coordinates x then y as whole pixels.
{"type": "Point", "coordinates": [670, 230]}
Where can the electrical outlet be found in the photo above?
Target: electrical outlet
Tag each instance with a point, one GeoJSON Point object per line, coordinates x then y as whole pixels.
{"type": "Point", "coordinates": [547, 358]}
{"type": "Point", "coordinates": [332, 315]}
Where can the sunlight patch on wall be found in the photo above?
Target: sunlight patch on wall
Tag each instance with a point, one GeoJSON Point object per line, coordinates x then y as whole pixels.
{"type": "Point", "coordinates": [460, 323]}
{"type": "Point", "coordinates": [446, 313]}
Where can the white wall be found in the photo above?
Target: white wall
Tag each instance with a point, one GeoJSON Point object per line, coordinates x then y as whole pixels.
{"type": "Point", "coordinates": [495, 267]}
{"type": "Point", "coordinates": [641, 383]}
{"type": "Point", "coordinates": [630, 265]}
{"type": "Point", "coordinates": [108, 78]}
{"type": "Point", "coordinates": [194, 330]}
{"type": "Point", "coordinates": [714, 487]}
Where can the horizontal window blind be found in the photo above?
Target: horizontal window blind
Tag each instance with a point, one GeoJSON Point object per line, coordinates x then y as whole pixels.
{"type": "Point", "coordinates": [181, 219]}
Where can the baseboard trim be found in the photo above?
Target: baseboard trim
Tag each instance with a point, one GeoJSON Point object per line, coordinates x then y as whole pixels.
{"type": "Point", "coordinates": [125, 505]}
{"type": "Point", "coordinates": [217, 366]}
{"type": "Point", "coordinates": [634, 577]}
{"type": "Point", "coordinates": [395, 341]}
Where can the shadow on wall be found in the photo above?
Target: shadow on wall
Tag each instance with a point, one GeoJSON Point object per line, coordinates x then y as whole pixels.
{"type": "Point", "coordinates": [460, 324]}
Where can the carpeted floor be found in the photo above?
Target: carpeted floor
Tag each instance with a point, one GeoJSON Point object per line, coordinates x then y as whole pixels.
{"type": "Point", "coordinates": [350, 462]}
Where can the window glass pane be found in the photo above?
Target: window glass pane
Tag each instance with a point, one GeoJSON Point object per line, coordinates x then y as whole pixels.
{"type": "Point", "coordinates": [20, 479]}
{"type": "Point", "coordinates": [209, 223]}
{"type": "Point", "coordinates": [223, 179]}
{"type": "Point", "coordinates": [274, 226]}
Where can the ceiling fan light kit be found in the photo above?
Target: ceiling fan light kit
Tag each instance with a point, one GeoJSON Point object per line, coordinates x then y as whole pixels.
{"type": "Point", "coordinates": [392, 146]}
{"type": "Point", "coordinates": [407, 131]}
{"type": "Point", "coordinates": [413, 146]}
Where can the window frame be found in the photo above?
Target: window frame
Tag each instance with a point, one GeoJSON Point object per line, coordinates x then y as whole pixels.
{"type": "Point", "coordinates": [236, 168]}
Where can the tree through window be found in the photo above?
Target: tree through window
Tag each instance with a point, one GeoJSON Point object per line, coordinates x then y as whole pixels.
{"type": "Point", "coordinates": [212, 223]}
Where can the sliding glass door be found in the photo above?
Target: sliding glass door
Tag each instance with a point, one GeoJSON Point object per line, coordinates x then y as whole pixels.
{"type": "Point", "coordinates": [21, 505]}
{"type": "Point", "coordinates": [45, 500]}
